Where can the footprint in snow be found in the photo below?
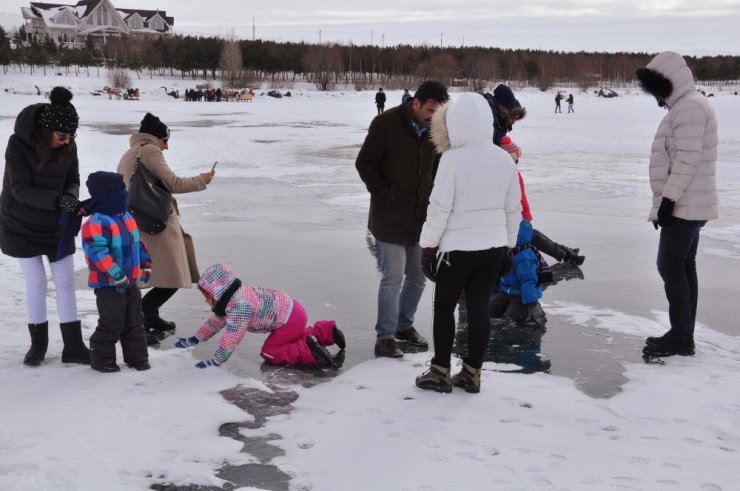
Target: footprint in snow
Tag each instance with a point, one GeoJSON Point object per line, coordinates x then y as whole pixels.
{"type": "Point", "coordinates": [305, 443]}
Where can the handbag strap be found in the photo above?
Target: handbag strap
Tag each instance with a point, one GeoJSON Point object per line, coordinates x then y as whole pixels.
{"type": "Point", "coordinates": [138, 163]}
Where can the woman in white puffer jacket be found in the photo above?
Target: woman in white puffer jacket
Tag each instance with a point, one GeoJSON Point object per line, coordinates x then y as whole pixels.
{"type": "Point", "coordinates": [682, 177]}
{"type": "Point", "coordinates": [473, 215]}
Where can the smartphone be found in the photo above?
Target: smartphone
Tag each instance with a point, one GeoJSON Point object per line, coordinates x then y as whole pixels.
{"type": "Point", "coordinates": [214, 166]}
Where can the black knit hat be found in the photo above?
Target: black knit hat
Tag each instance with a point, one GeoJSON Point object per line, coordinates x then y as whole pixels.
{"type": "Point", "coordinates": [153, 126]}
{"type": "Point", "coordinates": [60, 115]}
{"type": "Point", "coordinates": [102, 182]}
{"type": "Point", "coordinates": [505, 97]}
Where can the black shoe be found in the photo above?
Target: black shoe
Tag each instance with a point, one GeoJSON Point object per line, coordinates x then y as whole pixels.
{"type": "Point", "coordinates": [339, 338]}
{"type": "Point", "coordinates": [141, 366]}
{"type": "Point", "coordinates": [321, 354]}
{"type": "Point", "coordinates": [669, 347]}
{"type": "Point", "coordinates": [153, 322]}
{"type": "Point", "coordinates": [338, 359]}
{"type": "Point", "coordinates": [412, 337]}
{"type": "Point", "coordinates": [572, 257]}
{"type": "Point", "coordinates": [651, 340]}
{"type": "Point", "coordinates": [388, 348]}
{"type": "Point", "coordinates": [108, 368]}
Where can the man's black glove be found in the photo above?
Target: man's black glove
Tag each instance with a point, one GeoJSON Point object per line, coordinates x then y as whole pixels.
{"type": "Point", "coordinates": [429, 263]}
{"type": "Point", "coordinates": [665, 213]}
{"type": "Point", "coordinates": [68, 203]}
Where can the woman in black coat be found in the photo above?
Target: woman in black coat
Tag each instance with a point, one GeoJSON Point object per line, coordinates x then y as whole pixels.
{"type": "Point", "coordinates": [40, 182]}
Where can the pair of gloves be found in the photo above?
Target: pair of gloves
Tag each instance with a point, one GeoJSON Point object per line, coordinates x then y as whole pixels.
{"type": "Point", "coordinates": [191, 341]}
{"type": "Point", "coordinates": [665, 214]}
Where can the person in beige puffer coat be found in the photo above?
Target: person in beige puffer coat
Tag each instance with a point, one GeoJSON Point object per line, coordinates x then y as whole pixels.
{"type": "Point", "coordinates": [682, 177]}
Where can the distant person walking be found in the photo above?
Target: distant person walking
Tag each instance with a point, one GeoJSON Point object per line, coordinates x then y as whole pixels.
{"type": "Point", "coordinates": [558, 98]}
{"type": "Point", "coordinates": [682, 178]}
{"type": "Point", "coordinates": [172, 250]}
{"type": "Point", "coordinates": [380, 100]}
{"type": "Point", "coordinates": [569, 100]}
{"type": "Point", "coordinates": [397, 162]}
{"type": "Point", "coordinates": [41, 181]}
{"type": "Point", "coordinates": [407, 97]}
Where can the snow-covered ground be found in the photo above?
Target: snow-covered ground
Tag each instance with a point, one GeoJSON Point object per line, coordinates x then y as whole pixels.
{"type": "Point", "coordinates": [671, 427]}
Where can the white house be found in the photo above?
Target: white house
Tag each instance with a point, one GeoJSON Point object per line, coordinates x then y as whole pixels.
{"type": "Point", "coordinates": [72, 25]}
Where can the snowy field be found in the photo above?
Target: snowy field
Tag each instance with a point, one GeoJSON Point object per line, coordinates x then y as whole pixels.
{"type": "Point", "coordinates": [286, 176]}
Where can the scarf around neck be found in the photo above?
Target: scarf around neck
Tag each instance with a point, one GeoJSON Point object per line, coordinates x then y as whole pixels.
{"type": "Point", "coordinates": [220, 308]}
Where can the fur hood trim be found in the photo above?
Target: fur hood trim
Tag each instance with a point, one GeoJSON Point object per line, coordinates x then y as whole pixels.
{"type": "Point", "coordinates": [438, 133]}
{"type": "Point", "coordinates": [654, 83]}
{"type": "Point", "coordinates": [667, 77]}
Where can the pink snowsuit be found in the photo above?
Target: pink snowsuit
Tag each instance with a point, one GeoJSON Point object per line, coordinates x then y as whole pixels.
{"type": "Point", "coordinates": [260, 310]}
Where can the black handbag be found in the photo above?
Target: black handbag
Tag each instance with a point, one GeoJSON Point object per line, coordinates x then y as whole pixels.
{"type": "Point", "coordinates": [149, 200]}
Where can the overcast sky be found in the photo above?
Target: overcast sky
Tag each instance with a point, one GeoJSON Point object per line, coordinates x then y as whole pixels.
{"type": "Point", "coordinates": [688, 26]}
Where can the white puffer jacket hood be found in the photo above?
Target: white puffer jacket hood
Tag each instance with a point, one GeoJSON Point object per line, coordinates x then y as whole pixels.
{"type": "Point", "coordinates": [466, 121]}
{"type": "Point", "coordinates": [673, 67]}
{"type": "Point", "coordinates": [475, 203]}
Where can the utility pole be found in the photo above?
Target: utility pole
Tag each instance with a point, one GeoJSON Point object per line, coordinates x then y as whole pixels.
{"type": "Point", "coordinates": [382, 40]}
{"type": "Point", "coordinates": [371, 38]}
{"type": "Point", "coordinates": [253, 28]}
{"type": "Point", "coordinates": [319, 36]}
{"type": "Point", "coordinates": [440, 39]}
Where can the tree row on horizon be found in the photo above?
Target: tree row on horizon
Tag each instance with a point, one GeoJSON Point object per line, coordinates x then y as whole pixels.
{"type": "Point", "coordinates": [244, 62]}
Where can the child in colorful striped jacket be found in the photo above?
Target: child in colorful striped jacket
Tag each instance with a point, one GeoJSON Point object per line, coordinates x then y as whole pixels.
{"type": "Point", "coordinates": [117, 260]}
{"type": "Point", "coordinates": [240, 308]}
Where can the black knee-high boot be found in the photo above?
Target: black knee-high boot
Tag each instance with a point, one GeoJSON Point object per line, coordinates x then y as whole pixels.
{"type": "Point", "coordinates": [39, 343]}
{"type": "Point", "coordinates": [74, 350]}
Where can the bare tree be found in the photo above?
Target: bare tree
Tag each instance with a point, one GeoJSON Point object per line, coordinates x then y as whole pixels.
{"type": "Point", "coordinates": [231, 62]}
{"type": "Point", "coordinates": [479, 69]}
{"type": "Point", "coordinates": [119, 78]}
{"type": "Point", "coordinates": [322, 65]}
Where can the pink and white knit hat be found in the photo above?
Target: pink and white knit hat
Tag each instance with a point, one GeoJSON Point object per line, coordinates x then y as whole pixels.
{"type": "Point", "coordinates": [216, 279]}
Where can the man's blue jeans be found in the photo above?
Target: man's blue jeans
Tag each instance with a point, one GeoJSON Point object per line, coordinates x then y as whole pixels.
{"type": "Point", "coordinates": [401, 286]}
{"type": "Point", "coordinates": [677, 267]}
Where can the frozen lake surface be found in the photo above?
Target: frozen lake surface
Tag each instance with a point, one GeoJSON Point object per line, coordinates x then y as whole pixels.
{"type": "Point", "coordinates": [288, 211]}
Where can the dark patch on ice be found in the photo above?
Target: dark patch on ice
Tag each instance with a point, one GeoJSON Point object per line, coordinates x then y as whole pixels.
{"type": "Point", "coordinates": [201, 123]}
{"type": "Point", "coordinates": [114, 128]}
{"type": "Point", "coordinates": [296, 124]}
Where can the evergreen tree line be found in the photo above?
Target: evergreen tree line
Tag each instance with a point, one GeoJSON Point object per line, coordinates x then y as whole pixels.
{"type": "Point", "coordinates": [245, 62]}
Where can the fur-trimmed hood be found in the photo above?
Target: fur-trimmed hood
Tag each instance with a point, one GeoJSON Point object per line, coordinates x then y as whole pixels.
{"type": "Point", "coordinates": [462, 122]}
{"type": "Point", "coordinates": [666, 77]}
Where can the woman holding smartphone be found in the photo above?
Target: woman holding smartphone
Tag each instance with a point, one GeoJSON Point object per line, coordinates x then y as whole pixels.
{"type": "Point", "coordinates": [172, 250]}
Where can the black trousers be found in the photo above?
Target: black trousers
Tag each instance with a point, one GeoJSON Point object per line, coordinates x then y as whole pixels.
{"type": "Point", "coordinates": [474, 272]}
{"type": "Point", "coordinates": [120, 320]}
{"type": "Point", "coordinates": [546, 245]}
{"type": "Point", "coordinates": [154, 299]}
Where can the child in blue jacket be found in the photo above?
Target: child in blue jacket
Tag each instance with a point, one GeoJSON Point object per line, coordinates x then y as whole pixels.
{"type": "Point", "coordinates": [518, 292]}
{"type": "Point", "coordinates": [118, 261]}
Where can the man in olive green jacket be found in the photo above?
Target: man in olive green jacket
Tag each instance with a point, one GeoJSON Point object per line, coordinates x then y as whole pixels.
{"type": "Point", "coordinates": [397, 162]}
